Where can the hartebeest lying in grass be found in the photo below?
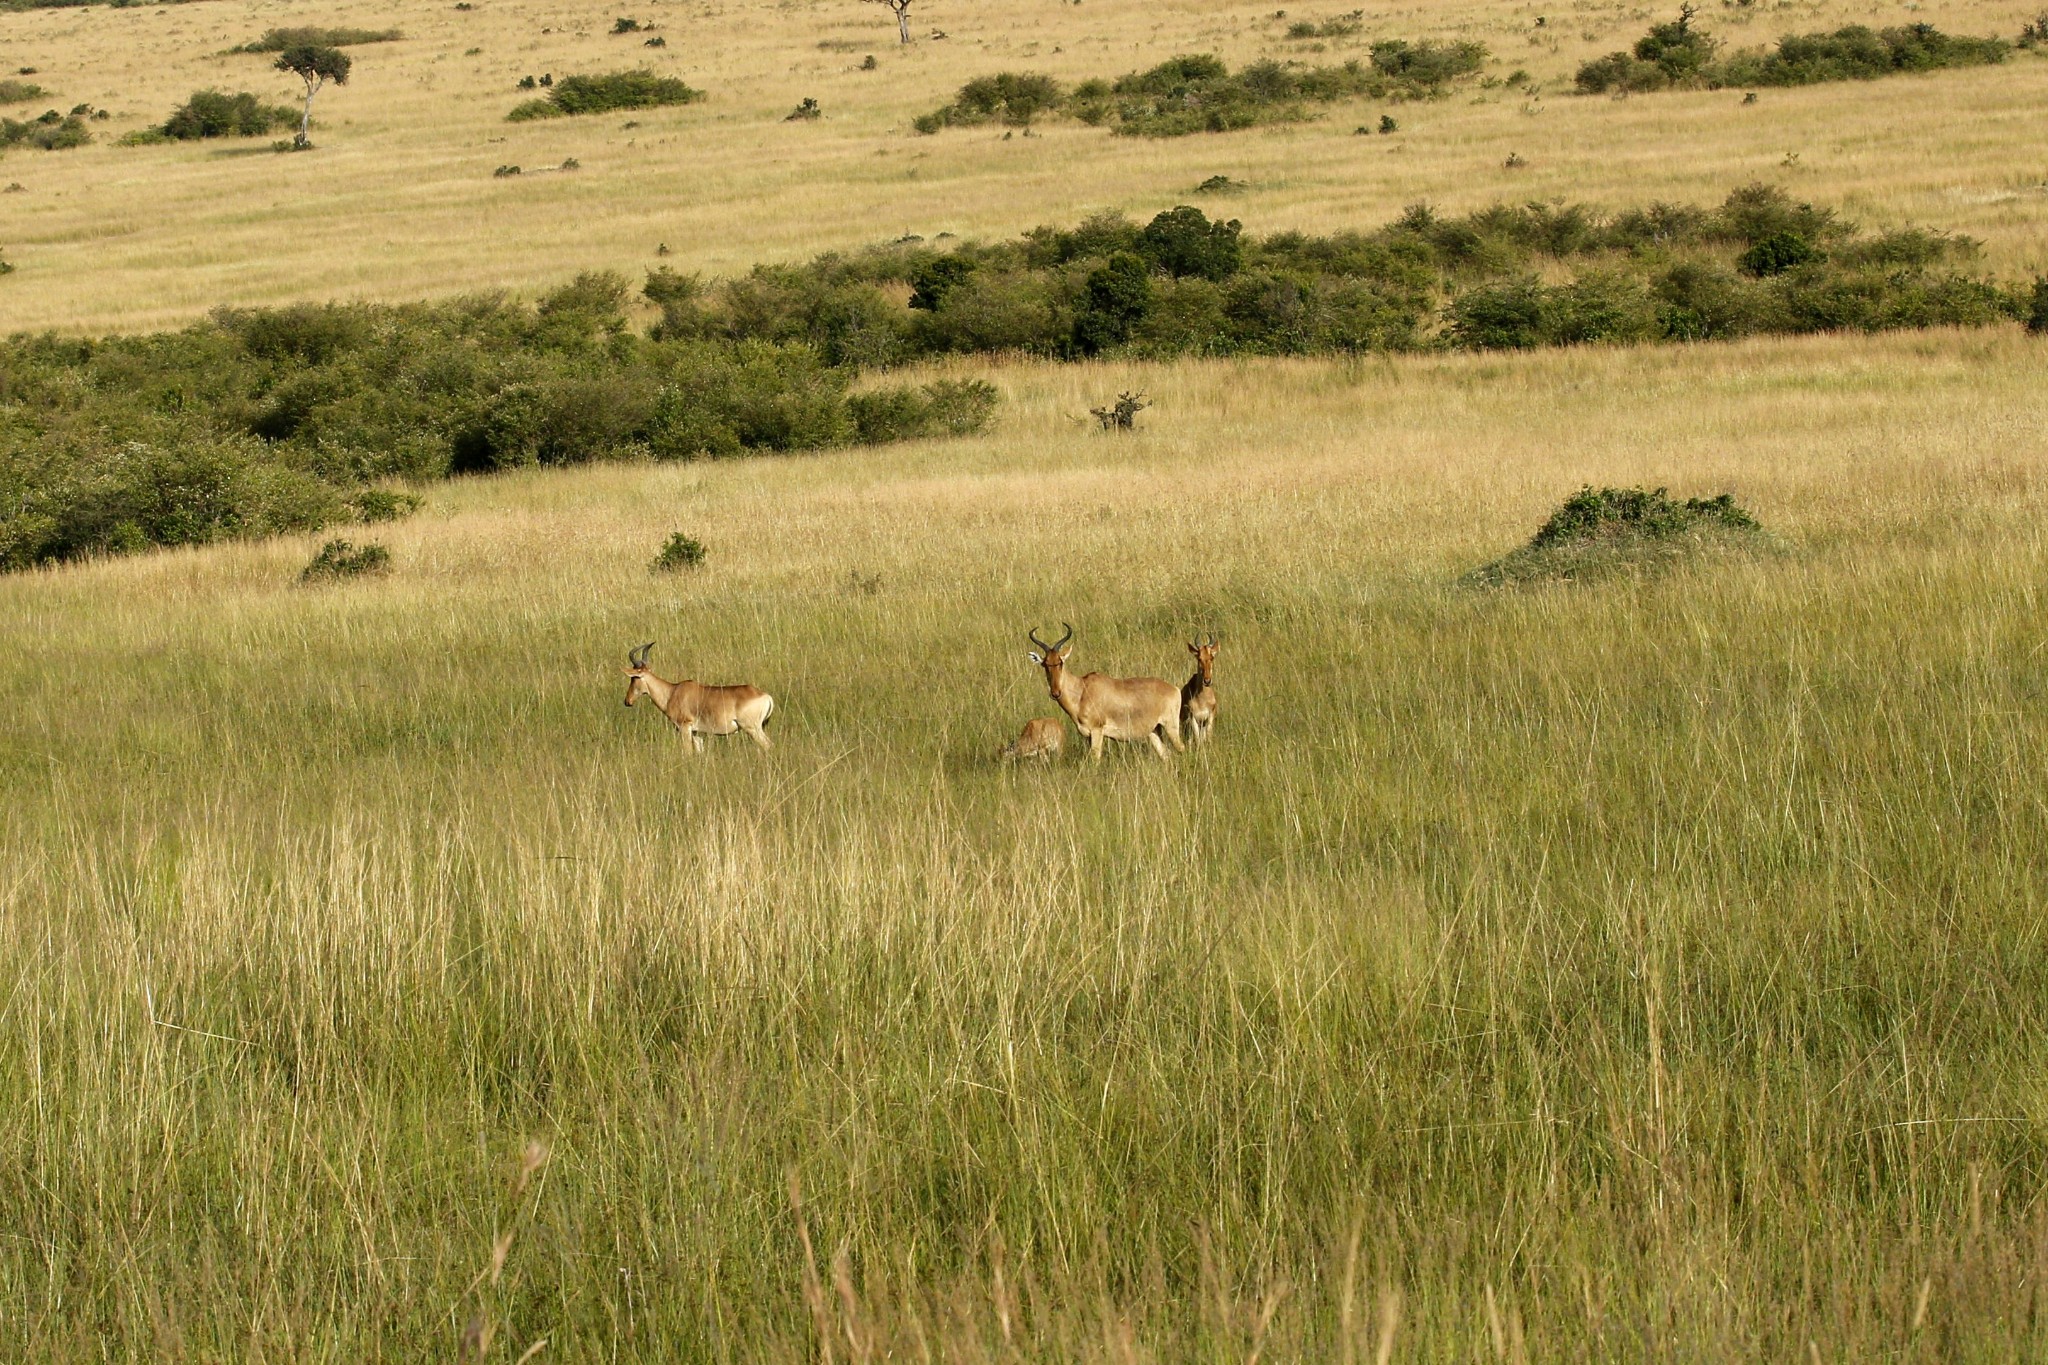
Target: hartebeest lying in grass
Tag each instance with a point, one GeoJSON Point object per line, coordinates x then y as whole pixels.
{"type": "Point", "coordinates": [1198, 694]}
{"type": "Point", "coordinates": [698, 710]}
{"type": "Point", "coordinates": [1102, 708]}
{"type": "Point", "coordinates": [1043, 738]}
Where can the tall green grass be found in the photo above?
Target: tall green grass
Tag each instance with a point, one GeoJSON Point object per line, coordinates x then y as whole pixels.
{"type": "Point", "coordinates": [1643, 968]}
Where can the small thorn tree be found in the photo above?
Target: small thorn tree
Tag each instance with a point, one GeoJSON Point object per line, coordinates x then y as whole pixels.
{"type": "Point", "coordinates": [315, 66]}
{"type": "Point", "coordinates": [902, 12]}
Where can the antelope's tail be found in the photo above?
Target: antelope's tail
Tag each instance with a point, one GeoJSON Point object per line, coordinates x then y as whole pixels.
{"type": "Point", "coordinates": [768, 714]}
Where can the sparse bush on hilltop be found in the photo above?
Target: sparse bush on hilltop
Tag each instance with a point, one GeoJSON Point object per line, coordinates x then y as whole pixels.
{"type": "Point", "coordinates": [1198, 93]}
{"type": "Point", "coordinates": [281, 39]}
{"type": "Point", "coordinates": [20, 92]}
{"type": "Point", "coordinates": [599, 94]}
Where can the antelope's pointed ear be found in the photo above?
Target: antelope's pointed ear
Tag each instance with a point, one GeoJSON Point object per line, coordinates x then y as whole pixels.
{"type": "Point", "coordinates": [1034, 656]}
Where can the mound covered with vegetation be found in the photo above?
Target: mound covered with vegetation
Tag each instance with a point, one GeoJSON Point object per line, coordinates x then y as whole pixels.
{"type": "Point", "coordinates": [1679, 55]}
{"type": "Point", "coordinates": [283, 39]}
{"type": "Point", "coordinates": [1506, 277]}
{"type": "Point", "coordinates": [275, 420]}
{"type": "Point", "coordinates": [600, 94]}
{"type": "Point", "coordinates": [1199, 94]}
{"type": "Point", "coordinates": [1600, 531]}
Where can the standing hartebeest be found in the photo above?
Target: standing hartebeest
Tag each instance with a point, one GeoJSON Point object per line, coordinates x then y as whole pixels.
{"type": "Point", "coordinates": [1198, 694]}
{"type": "Point", "coordinates": [1043, 738]}
{"type": "Point", "coordinates": [698, 710]}
{"type": "Point", "coordinates": [1110, 708]}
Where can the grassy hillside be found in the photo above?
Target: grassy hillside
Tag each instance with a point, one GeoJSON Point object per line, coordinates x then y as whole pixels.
{"type": "Point", "coordinates": [400, 201]}
{"type": "Point", "coordinates": [1556, 970]}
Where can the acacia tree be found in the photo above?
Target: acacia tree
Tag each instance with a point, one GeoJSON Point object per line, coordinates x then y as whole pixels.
{"type": "Point", "coordinates": [902, 9]}
{"type": "Point", "coordinates": [315, 66]}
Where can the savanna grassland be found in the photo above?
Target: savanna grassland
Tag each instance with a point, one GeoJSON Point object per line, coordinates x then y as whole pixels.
{"type": "Point", "coordinates": [1642, 968]}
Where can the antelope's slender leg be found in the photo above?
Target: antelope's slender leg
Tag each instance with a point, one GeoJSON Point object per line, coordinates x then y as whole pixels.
{"type": "Point", "coordinates": [1095, 746]}
{"type": "Point", "coordinates": [696, 741]}
{"type": "Point", "coordinates": [759, 736]}
{"type": "Point", "coordinates": [1172, 729]}
{"type": "Point", "coordinates": [1157, 747]}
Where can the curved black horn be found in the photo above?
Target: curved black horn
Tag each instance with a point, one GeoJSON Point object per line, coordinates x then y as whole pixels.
{"type": "Point", "coordinates": [1064, 638]}
{"type": "Point", "coordinates": [1032, 634]}
{"type": "Point", "coordinates": [638, 657]}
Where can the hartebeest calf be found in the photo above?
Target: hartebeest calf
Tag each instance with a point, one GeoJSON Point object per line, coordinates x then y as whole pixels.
{"type": "Point", "coordinates": [698, 710]}
{"type": "Point", "coordinates": [1198, 694]}
{"type": "Point", "coordinates": [1102, 708]}
{"type": "Point", "coordinates": [1043, 738]}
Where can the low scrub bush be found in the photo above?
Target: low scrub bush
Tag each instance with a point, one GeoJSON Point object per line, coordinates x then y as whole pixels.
{"type": "Point", "coordinates": [1602, 531]}
{"type": "Point", "coordinates": [1342, 26]}
{"type": "Point", "coordinates": [20, 92]}
{"type": "Point", "coordinates": [1679, 54]}
{"type": "Point", "coordinates": [210, 113]}
{"type": "Point", "coordinates": [678, 553]}
{"type": "Point", "coordinates": [1198, 93]}
{"type": "Point", "coordinates": [51, 132]}
{"type": "Point", "coordinates": [281, 39]}
{"type": "Point", "coordinates": [601, 94]}
{"type": "Point", "coordinates": [338, 559]}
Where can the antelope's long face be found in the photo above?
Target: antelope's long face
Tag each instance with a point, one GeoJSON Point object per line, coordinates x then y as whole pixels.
{"type": "Point", "coordinates": [1204, 651]}
{"type": "Point", "coordinates": [1053, 660]}
{"type": "Point", "coordinates": [636, 673]}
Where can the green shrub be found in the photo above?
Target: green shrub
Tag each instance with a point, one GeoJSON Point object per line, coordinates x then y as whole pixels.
{"type": "Point", "coordinates": [2037, 308]}
{"type": "Point", "coordinates": [20, 92]}
{"type": "Point", "coordinates": [678, 553]}
{"type": "Point", "coordinates": [1183, 241]}
{"type": "Point", "coordinates": [1014, 98]}
{"type": "Point", "coordinates": [1678, 54]}
{"type": "Point", "coordinates": [280, 39]}
{"type": "Point", "coordinates": [51, 132]}
{"type": "Point", "coordinates": [1620, 72]}
{"type": "Point", "coordinates": [382, 504]}
{"type": "Point", "coordinates": [210, 113]}
{"type": "Point", "coordinates": [338, 559]}
{"type": "Point", "coordinates": [1597, 532]}
{"type": "Point", "coordinates": [948, 407]}
{"type": "Point", "coordinates": [1119, 294]}
{"type": "Point", "coordinates": [601, 94]}
{"type": "Point", "coordinates": [1778, 253]}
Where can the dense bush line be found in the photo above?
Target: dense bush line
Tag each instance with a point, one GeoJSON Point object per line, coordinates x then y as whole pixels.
{"type": "Point", "coordinates": [1198, 94]}
{"type": "Point", "coordinates": [262, 421]}
{"type": "Point", "coordinates": [600, 94]}
{"type": "Point", "coordinates": [1186, 284]}
{"type": "Point", "coordinates": [1680, 55]}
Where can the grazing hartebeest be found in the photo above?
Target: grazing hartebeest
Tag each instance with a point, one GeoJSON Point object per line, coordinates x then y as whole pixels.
{"type": "Point", "coordinates": [1198, 694]}
{"type": "Point", "coordinates": [698, 710]}
{"type": "Point", "coordinates": [1110, 708]}
{"type": "Point", "coordinates": [1043, 738]}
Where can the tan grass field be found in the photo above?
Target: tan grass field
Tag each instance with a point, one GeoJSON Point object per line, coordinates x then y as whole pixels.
{"type": "Point", "coordinates": [1644, 969]}
{"type": "Point", "coordinates": [400, 201]}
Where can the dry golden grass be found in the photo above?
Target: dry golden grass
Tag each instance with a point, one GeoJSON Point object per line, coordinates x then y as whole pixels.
{"type": "Point", "coordinates": [400, 202]}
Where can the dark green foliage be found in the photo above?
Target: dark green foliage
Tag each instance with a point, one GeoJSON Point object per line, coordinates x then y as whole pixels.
{"type": "Point", "coordinates": [1010, 97]}
{"type": "Point", "coordinates": [679, 552]}
{"type": "Point", "coordinates": [1182, 242]}
{"type": "Point", "coordinates": [338, 559]}
{"type": "Point", "coordinates": [625, 25]}
{"type": "Point", "coordinates": [2034, 33]}
{"type": "Point", "coordinates": [266, 420]}
{"type": "Point", "coordinates": [1198, 93]}
{"type": "Point", "coordinates": [52, 132]}
{"type": "Point", "coordinates": [1221, 184]}
{"type": "Point", "coordinates": [314, 64]}
{"type": "Point", "coordinates": [601, 94]}
{"type": "Point", "coordinates": [932, 280]}
{"type": "Point", "coordinates": [2037, 308]}
{"type": "Point", "coordinates": [20, 92]}
{"type": "Point", "coordinates": [1343, 26]}
{"type": "Point", "coordinates": [1778, 253]}
{"type": "Point", "coordinates": [949, 407]}
{"type": "Point", "coordinates": [1118, 295]}
{"type": "Point", "coordinates": [210, 113]}
{"type": "Point", "coordinates": [1679, 54]}
{"type": "Point", "coordinates": [1608, 530]}
{"type": "Point", "coordinates": [283, 39]}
